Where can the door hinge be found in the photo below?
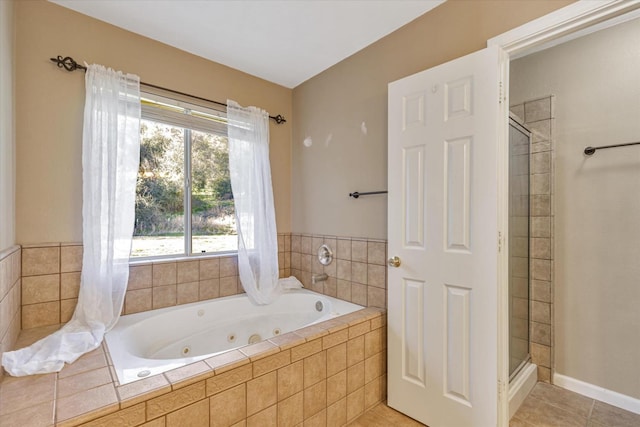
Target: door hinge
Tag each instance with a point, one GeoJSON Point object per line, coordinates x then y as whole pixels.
{"type": "Point", "coordinates": [501, 93]}
{"type": "Point", "coordinates": [500, 239]}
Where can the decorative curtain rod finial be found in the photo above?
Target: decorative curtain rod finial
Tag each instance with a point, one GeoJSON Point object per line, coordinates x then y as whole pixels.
{"type": "Point", "coordinates": [68, 63]}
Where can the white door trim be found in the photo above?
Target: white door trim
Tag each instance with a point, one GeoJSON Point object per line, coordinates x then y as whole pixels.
{"type": "Point", "coordinates": [572, 18]}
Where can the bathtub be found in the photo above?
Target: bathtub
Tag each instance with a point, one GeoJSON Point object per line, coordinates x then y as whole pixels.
{"type": "Point", "coordinates": [153, 342]}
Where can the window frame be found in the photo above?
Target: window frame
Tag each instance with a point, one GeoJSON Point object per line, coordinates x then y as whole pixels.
{"type": "Point", "coordinates": [209, 118]}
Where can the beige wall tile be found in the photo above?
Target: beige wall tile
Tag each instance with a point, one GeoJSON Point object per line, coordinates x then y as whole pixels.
{"type": "Point", "coordinates": [290, 380]}
{"type": "Point", "coordinates": [271, 363]}
{"type": "Point", "coordinates": [541, 248]}
{"type": "Point", "coordinates": [331, 269]}
{"type": "Point", "coordinates": [262, 392]}
{"type": "Point", "coordinates": [376, 297]}
{"type": "Point", "coordinates": [194, 415]}
{"type": "Point", "coordinates": [344, 290]}
{"type": "Point", "coordinates": [188, 374]}
{"type": "Point", "coordinates": [336, 387]}
{"type": "Point", "coordinates": [295, 260]}
{"type": "Point", "coordinates": [42, 314]}
{"type": "Point", "coordinates": [208, 289]}
{"type": "Point", "coordinates": [187, 292]}
{"type": "Point", "coordinates": [337, 358]}
{"type": "Point", "coordinates": [343, 250]}
{"type": "Point", "coordinates": [355, 351]}
{"type": "Point", "coordinates": [337, 414]}
{"type": "Point", "coordinates": [541, 290]}
{"type": "Point", "coordinates": [209, 268]}
{"type": "Point", "coordinates": [265, 418]}
{"type": "Point", "coordinates": [67, 307]}
{"type": "Point", "coordinates": [306, 350]}
{"type": "Point", "coordinates": [228, 286]}
{"type": "Point", "coordinates": [132, 416]}
{"type": "Point", "coordinates": [295, 243]}
{"type": "Point", "coordinates": [138, 300]}
{"type": "Point", "coordinates": [229, 379]}
{"type": "Point", "coordinates": [37, 289]}
{"type": "Point", "coordinates": [317, 420]}
{"type": "Point", "coordinates": [69, 285]}
{"type": "Point", "coordinates": [315, 369]}
{"type": "Point", "coordinates": [227, 361]}
{"type": "Point", "coordinates": [359, 329]}
{"type": "Point", "coordinates": [374, 367]}
{"type": "Point", "coordinates": [70, 258]}
{"type": "Point", "coordinates": [541, 205]}
{"type": "Point", "coordinates": [228, 407]}
{"type": "Point", "coordinates": [359, 294]}
{"type": "Point", "coordinates": [343, 269]}
{"type": "Point", "coordinates": [373, 342]}
{"type": "Point", "coordinates": [377, 253]}
{"type": "Point", "coordinates": [359, 272]}
{"type": "Point", "coordinates": [537, 110]}
{"type": "Point", "coordinates": [87, 362]}
{"type": "Point", "coordinates": [305, 245]}
{"type": "Point", "coordinates": [228, 266]}
{"type": "Point", "coordinates": [169, 402]}
{"type": "Point", "coordinates": [316, 242]}
{"type": "Point", "coordinates": [376, 275]}
{"type": "Point", "coordinates": [21, 393]}
{"type": "Point", "coordinates": [541, 226]}
{"type": "Point", "coordinates": [140, 276]}
{"type": "Point", "coordinates": [188, 271]}
{"type": "Point", "coordinates": [372, 393]}
{"type": "Point", "coordinates": [37, 261]}
{"type": "Point", "coordinates": [541, 269]}
{"type": "Point", "coordinates": [164, 273]}
{"type": "Point", "coordinates": [290, 411]}
{"type": "Point", "coordinates": [355, 404]}
{"type": "Point", "coordinates": [330, 287]}
{"type": "Point", "coordinates": [359, 251]}
{"type": "Point", "coordinates": [315, 399]}
{"type": "Point", "coordinates": [355, 377]}
{"type": "Point", "coordinates": [541, 333]}
{"type": "Point", "coordinates": [541, 355]}
{"type": "Point", "coordinates": [541, 312]}
{"type": "Point", "coordinates": [142, 390]}
{"type": "Point", "coordinates": [164, 296]}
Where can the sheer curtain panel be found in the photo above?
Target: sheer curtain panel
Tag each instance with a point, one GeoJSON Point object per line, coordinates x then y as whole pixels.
{"type": "Point", "coordinates": [110, 157]}
{"type": "Point", "coordinates": [253, 198]}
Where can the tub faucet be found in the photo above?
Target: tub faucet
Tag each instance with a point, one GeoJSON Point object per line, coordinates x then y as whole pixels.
{"type": "Point", "coordinates": [315, 278]}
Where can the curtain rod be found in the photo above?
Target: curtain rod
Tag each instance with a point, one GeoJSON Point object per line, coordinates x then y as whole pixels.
{"type": "Point", "coordinates": [69, 64]}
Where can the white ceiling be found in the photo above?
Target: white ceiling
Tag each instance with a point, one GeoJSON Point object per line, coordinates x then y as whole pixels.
{"type": "Point", "coordinates": [283, 41]}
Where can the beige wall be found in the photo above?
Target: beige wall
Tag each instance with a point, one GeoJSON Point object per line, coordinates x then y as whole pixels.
{"type": "Point", "coordinates": [50, 103]}
{"type": "Point", "coordinates": [597, 201]}
{"type": "Point", "coordinates": [7, 141]}
{"type": "Point", "coordinates": [334, 104]}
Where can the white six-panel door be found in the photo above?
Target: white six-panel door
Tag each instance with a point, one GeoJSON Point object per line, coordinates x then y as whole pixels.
{"type": "Point", "coordinates": [442, 302]}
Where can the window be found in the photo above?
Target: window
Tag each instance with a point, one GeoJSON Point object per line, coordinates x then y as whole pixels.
{"type": "Point", "coordinates": [184, 204]}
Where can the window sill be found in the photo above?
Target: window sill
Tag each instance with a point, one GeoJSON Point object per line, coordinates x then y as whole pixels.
{"type": "Point", "coordinates": [179, 258]}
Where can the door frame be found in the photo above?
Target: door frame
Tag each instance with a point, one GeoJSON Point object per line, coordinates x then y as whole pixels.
{"type": "Point", "coordinates": [570, 19]}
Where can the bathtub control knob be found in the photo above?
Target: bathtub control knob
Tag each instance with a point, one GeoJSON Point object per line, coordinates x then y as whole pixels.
{"type": "Point", "coordinates": [394, 262]}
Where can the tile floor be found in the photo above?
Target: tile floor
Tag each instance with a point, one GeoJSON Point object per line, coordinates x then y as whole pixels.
{"type": "Point", "coordinates": [546, 406]}
{"type": "Point", "coordinates": [551, 406]}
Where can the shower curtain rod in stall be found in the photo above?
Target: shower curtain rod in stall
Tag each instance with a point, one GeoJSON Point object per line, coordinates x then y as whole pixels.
{"type": "Point", "coordinates": [70, 64]}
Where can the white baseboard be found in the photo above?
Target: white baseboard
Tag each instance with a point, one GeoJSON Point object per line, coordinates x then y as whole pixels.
{"type": "Point", "coordinates": [596, 392]}
{"type": "Point", "coordinates": [521, 386]}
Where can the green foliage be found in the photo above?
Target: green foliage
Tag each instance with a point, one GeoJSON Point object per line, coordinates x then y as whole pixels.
{"type": "Point", "coordinates": [160, 184]}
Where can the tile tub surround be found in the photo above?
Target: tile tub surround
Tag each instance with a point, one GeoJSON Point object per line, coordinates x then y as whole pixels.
{"type": "Point", "coordinates": [51, 281]}
{"type": "Point", "coordinates": [10, 294]}
{"type": "Point", "coordinates": [358, 272]}
{"type": "Point", "coordinates": [538, 116]}
{"type": "Point", "coordinates": [325, 374]}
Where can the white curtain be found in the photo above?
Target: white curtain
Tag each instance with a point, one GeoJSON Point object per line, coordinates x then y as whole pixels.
{"type": "Point", "coordinates": [110, 157]}
{"type": "Point", "coordinates": [253, 199]}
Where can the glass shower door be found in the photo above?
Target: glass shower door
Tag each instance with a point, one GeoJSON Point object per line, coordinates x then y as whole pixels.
{"type": "Point", "coordinates": [519, 156]}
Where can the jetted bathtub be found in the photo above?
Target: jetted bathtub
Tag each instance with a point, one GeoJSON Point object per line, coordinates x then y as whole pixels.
{"type": "Point", "coordinates": [153, 342]}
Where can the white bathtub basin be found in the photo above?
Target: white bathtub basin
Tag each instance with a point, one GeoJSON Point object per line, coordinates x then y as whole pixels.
{"type": "Point", "coordinates": [153, 342]}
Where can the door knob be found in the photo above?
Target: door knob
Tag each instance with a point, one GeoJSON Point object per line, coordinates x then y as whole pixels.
{"type": "Point", "coordinates": [394, 262]}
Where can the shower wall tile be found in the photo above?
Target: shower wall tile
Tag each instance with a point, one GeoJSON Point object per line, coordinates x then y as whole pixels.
{"type": "Point", "coordinates": [540, 120]}
{"type": "Point", "coordinates": [10, 299]}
